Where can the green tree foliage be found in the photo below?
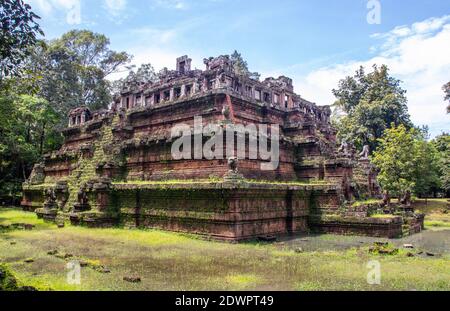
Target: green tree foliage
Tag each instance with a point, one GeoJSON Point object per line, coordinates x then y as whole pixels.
{"type": "Point", "coordinates": [394, 160]}
{"type": "Point", "coordinates": [73, 70]}
{"type": "Point", "coordinates": [426, 159]}
{"type": "Point", "coordinates": [407, 162]}
{"type": "Point", "coordinates": [144, 74]}
{"type": "Point", "coordinates": [442, 146]}
{"type": "Point", "coordinates": [369, 103]}
{"type": "Point", "coordinates": [18, 31]}
{"type": "Point", "coordinates": [241, 67]}
{"type": "Point", "coordinates": [26, 132]}
{"type": "Point", "coordinates": [26, 121]}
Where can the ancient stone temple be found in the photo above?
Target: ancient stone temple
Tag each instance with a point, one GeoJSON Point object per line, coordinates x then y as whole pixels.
{"type": "Point", "coordinates": [117, 166]}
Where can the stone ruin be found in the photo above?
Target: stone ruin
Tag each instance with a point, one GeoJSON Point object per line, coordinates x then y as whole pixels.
{"type": "Point", "coordinates": [115, 166]}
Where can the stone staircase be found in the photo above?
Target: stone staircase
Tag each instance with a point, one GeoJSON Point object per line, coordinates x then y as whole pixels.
{"type": "Point", "coordinates": [86, 166]}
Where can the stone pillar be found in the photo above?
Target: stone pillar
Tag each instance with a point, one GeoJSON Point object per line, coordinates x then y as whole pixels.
{"type": "Point", "coordinates": [282, 99]}
{"type": "Point", "coordinates": [102, 192]}
{"type": "Point", "coordinates": [194, 87]}
{"type": "Point", "coordinates": [183, 91]}
{"type": "Point", "coordinates": [172, 91]}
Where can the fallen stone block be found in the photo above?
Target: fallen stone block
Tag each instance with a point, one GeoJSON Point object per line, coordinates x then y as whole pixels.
{"type": "Point", "coordinates": [299, 250]}
{"type": "Point", "coordinates": [132, 279]}
{"type": "Point", "coordinates": [52, 252]}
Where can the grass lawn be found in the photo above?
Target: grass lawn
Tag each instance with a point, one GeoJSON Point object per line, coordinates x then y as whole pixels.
{"type": "Point", "coordinates": [170, 261]}
{"type": "Point", "coordinates": [435, 211]}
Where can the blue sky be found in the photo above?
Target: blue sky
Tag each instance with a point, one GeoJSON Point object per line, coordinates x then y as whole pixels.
{"type": "Point", "coordinates": [315, 42]}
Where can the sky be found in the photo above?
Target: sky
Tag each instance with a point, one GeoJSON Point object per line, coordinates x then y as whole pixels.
{"type": "Point", "coordinates": [315, 42]}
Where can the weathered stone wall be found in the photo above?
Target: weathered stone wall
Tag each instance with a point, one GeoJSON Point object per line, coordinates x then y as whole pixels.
{"type": "Point", "coordinates": [33, 198]}
{"type": "Point", "coordinates": [378, 227]}
{"type": "Point", "coordinates": [116, 165]}
{"type": "Point", "coordinates": [217, 210]}
{"type": "Point", "coordinates": [144, 138]}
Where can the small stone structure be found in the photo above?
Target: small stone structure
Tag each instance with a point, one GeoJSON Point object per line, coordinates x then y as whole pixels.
{"type": "Point", "coordinates": [116, 166]}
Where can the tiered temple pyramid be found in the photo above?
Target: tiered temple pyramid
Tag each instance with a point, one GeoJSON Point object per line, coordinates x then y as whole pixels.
{"type": "Point", "coordinates": [116, 166]}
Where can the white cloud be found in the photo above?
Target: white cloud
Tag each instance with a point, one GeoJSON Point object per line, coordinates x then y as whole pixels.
{"type": "Point", "coordinates": [158, 57]}
{"type": "Point", "coordinates": [416, 54]}
{"type": "Point", "coordinates": [71, 8]}
{"type": "Point", "coordinates": [171, 4]}
{"type": "Point", "coordinates": [43, 6]}
{"type": "Point", "coordinates": [160, 47]}
{"type": "Point", "coordinates": [156, 35]}
{"type": "Point", "coordinates": [115, 7]}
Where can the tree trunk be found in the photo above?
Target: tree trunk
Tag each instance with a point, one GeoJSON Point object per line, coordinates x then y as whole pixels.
{"type": "Point", "coordinates": [41, 142]}
{"type": "Point", "coordinates": [386, 198]}
{"type": "Point", "coordinates": [23, 170]}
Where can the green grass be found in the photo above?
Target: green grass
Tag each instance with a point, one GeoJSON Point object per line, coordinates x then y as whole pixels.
{"type": "Point", "coordinates": [218, 180]}
{"type": "Point", "coordinates": [365, 202]}
{"type": "Point", "coordinates": [436, 216]}
{"type": "Point", "coordinates": [167, 182]}
{"type": "Point", "coordinates": [289, 183]}
{"type": "Point", "coordinates": [430, 205]}
{"type": "Point", "coordinates": [437, 223]}
{"type": "Point", "coordinates": [10, 216]}
{"type": "Point", "coordinates": [171, 261]}
{"type": "Point", "coordinates": [382, 216]}
{"type": "Point", "coordinates": [7, 280]}
{"type": "Point", "coordinates": [242, 281]}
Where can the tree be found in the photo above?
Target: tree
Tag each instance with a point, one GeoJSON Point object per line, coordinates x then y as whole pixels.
{"type": "Point", "coordinates": [442, 146]}
{"type": "Point", "coordinates": [446, 89]}
{"type": "Point", "coordinates": [74, 69]}
{"type": "Point", "coordinates": [145, 74]}
{"type": "Point", "coordinates": [407, 162]}
{"type": "Point", "coordinates": [426, 159]}
{"type": "Point", "coordinates": [370, 104]}
{"type": "Point", "coordinates": [240, 66]}
{"type": "Point", "coordinates": [18, 32]}
{"type": "Point", "coordinates": [395, 161]}
{"type": "Point", "coordinates": [27, 131]}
